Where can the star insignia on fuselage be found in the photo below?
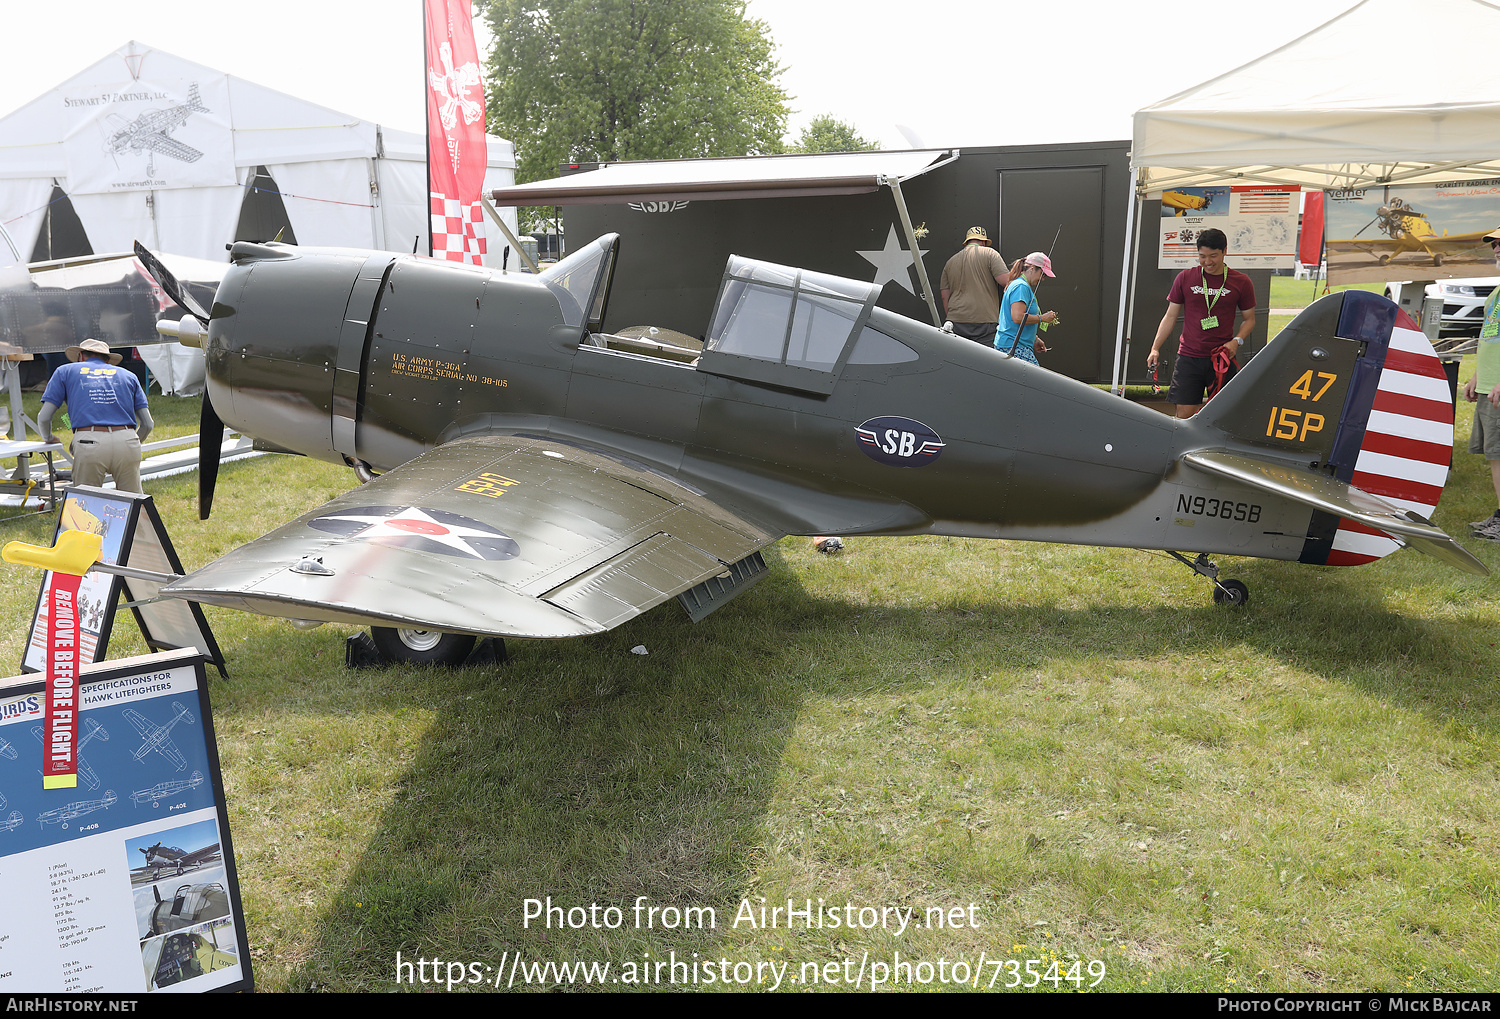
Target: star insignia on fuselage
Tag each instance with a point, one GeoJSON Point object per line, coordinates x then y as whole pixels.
{"type": "Point", "coordinates": [420, 529]}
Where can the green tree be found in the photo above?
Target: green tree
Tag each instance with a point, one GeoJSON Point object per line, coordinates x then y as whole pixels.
{"type": "Point", "coordinates": [631, 79]}
{"type": "Point", "coordinates": [829, 134]}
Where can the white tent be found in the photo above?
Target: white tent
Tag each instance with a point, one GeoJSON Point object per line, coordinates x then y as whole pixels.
{"type": "Point", "coordinates": [153, 147]}
{"type": "Point", "coordinates": [1388, 92]}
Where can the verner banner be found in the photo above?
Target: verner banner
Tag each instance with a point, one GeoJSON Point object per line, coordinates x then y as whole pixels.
{"type": "Point", "coordinates": [456, 152]}
{"type": "Point", "coordinates": [171, 133]}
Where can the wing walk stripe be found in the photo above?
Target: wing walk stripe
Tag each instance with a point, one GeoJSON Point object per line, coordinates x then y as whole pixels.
{"type": "Point", "coordinates": [1408, 448]}
{"type": "Point", "coordinates": [1401, 469]}
{"type": "Point", "coordinates": [1411, 406]}
{"type": "Point", "coordinates": [1416, 364]}
{"type": "Point", "coordinates": [1365, 544]}
{"type": "Point", "coordinates": [1439, 433]}
{"type": "Point", "coordinates": [1338, 557]}
{"type": "Point", "coordinates": [1378, 484]}
{"type": "Point", "coordinates": [1424, 386]}
{"type": "Point", "coordinates": [1413, 340]}
{"type": "Point", "coordinates": [1354, 526]}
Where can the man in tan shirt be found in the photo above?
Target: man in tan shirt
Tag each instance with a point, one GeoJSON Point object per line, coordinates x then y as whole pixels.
{"type": "Point", "coordinates": [972, 282]}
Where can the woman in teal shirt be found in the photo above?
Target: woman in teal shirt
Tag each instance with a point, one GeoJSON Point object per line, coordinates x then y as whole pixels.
{"type": "Point", "coordinates": [1024, 314]}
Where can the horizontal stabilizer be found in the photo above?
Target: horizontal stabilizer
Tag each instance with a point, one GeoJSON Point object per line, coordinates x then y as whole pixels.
{"type": "Point", "coordinates": [1330, 495]}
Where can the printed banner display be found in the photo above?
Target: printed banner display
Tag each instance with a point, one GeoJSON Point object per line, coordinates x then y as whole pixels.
{"type": "Point", "coordinates": [127, 883]}
{"type": "Point", "coordinates": [174, 133]}
{"type": "Point", "coordinates": [1430, 232]}
{"type": "Point", "coordinates": [1260, 224]}
{"type": "Point", "coordinates": [456, 149]}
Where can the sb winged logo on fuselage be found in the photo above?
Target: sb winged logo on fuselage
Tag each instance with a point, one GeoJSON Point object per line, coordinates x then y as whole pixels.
{"type": "Point", "coordinates": [899, 441]}
{"type": "Point", "coordinates": [420, 529]}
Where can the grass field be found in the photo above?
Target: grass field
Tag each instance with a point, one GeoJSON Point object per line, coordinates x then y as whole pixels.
{"type": "Point", "coordinates": [1070, 746]}
{"type": "Point", "coordinates": [1293, 293]}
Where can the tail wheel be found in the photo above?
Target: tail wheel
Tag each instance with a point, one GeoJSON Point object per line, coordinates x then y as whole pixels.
{"type": "Point", "coordinates": [1231, 593]}
{"type": "Point", "coordinates": [422, 647]}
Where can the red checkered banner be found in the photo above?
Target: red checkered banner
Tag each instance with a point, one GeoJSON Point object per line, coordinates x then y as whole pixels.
{"type": "Point", "coordinates": [456, 153]}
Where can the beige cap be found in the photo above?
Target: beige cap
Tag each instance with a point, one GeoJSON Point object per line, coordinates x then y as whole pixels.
{"type": "Point", "coordinates": [93, 346]}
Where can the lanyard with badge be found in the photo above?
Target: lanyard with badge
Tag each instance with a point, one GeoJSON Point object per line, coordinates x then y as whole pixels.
{"type": "Point", "coordinates": [1212, 321]}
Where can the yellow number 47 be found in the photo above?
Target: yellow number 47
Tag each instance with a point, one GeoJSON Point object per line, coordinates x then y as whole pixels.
{"type": "Point", "coordinates": [1303, 386]}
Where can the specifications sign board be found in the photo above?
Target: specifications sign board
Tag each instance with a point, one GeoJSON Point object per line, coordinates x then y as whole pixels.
{"type": "Point", "coordinates": [126, 883]}
{"type": "Point", "coordinates": [1259, 224]}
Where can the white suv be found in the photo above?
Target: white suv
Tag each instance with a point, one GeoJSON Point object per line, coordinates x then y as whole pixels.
{"type": "Point", "coordinates": [1463, 302]}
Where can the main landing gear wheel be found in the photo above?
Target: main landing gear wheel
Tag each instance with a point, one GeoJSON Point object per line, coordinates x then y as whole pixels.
{"type": "Point", "coordinates": [422, 647]}
{"type": "Point", "coordinates": [1231, 593]}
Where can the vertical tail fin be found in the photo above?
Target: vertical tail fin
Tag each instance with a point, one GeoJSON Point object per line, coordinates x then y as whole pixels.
{"type": "Point", "coordinates": [1352, 388]}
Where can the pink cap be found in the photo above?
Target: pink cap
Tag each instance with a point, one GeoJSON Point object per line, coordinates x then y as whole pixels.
{"type": "Point", "coordinates": [1042, 262]}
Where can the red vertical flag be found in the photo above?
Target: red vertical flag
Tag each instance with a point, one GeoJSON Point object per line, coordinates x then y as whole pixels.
{"type": "Point", "coordinates": [1311, 250]}
{"type": "Point", "coordinates": [456, 153]}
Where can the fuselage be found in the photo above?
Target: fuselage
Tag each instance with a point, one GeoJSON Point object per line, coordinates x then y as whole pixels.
{"type": "Point", "coordinates": [376, 358]}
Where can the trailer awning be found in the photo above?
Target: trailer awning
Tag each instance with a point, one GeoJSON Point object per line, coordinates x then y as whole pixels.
{"type": "Point", "coordinates": [835, 173]}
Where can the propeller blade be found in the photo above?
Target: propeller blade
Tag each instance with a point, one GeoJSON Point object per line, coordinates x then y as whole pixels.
{"type": "Point", "coordinates": [168, 282]}
{"type": "Point", "coordinates": [210, 441]}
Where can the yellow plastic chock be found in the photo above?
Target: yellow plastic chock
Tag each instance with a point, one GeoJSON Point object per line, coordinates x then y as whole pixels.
{"type": "Point", "coordinates": [74, 553]}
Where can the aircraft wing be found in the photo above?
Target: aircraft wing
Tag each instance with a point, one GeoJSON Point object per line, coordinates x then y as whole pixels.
{"type": "Point", "coordinates": [504, 536]}
{"type": "Point", "coordinates": [169, 750]}
{"type": "Point", "coordinates": [169, 146]}
{"type": "Point", "coordinates": [1454, 242]}
{"type": "Point", "coordinates": [200, 855]}
{"type": "Point", "coordinates": [1330, 495]}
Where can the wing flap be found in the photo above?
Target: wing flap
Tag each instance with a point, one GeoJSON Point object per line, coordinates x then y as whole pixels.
{"type": "Point", "coordinates": [636, 579]}
{"type": "Point", "coordinates": [1333, 496]}
{"type": "Point", "coordinates": [507, 536]}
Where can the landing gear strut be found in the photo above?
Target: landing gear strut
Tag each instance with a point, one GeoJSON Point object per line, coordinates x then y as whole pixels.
{"type": "Point", "coordinates": [1231, 593]}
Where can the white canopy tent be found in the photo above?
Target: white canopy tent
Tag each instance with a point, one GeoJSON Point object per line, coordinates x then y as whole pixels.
{"type": "Point", "coordinates": [344, 181]}
{"type": "Point", "coordinates": [1388, 92]}
{"type": "Point", "coordinates": [1360, 101]}
{"type": "Point", "coordinates": [148, 146]}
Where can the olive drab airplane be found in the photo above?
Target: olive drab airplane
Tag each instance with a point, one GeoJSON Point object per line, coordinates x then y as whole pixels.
{"type": "Point", "coordinates": [530, 475]}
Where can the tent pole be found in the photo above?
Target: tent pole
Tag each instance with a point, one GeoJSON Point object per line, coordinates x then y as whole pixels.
{"type": "Point", "coordinates": [1127, 287]}
{"type": "Point", "coordinates": [894, 183]}
{"type": "Point", "coordinates": [515, 244]}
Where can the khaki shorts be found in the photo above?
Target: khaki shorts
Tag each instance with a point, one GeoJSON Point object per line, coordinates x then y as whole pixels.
{"type": "Point", "coordinates": [1485, 438]}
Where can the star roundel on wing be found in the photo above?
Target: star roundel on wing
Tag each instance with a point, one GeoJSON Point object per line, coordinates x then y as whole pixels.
{"type": "Point", "coordinates": [420, 529]}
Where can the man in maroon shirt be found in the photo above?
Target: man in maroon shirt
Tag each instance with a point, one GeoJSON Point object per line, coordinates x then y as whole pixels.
{"type": "Point", "coordinates": [1211, 293]}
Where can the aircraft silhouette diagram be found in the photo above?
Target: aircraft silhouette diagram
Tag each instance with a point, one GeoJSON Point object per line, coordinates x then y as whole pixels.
{"type": "Point", "coordinates": [151, 132]}
{"type": "Point", "coordinates": [78, 808]}
{"type": "Point", "coordinates": [163, 790]}
{"type": "Point", "coordinates": [529, 474]}
{"type": "Point", "coordinates": [158, 737]}
{"type": "Point", "coordinates": [91, 730]}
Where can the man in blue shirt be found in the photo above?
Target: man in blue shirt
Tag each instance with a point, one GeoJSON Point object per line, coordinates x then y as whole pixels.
{"type": "Point", "coordinates": [108, 409]}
